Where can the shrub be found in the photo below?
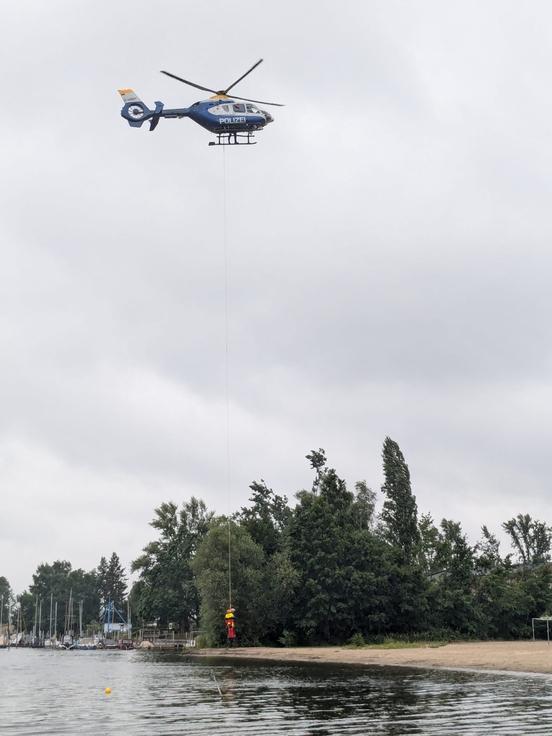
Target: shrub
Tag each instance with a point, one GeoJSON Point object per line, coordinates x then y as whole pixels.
{"type": "Point", "coordinates": [201, 641]}
{"type": "Point", "coordinates": [288, 639]}
{"type": "Point", "coordinates": [357, 640]}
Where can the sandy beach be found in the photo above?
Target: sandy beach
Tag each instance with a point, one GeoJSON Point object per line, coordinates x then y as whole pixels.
{"type": "Point", "coordinates": [514, 656]}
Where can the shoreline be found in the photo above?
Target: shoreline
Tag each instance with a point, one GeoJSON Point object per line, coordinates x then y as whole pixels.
{"type": "Point", "coordinates": [529, 657]}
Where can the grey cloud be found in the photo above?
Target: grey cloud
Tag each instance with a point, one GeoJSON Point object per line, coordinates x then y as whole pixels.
{"type": "Point", "coordinates": [389, 255]}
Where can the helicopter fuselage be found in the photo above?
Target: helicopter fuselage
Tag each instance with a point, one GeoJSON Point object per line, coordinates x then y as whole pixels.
{"type": "Point", "coordinates": [219, 114]}
{"type": "Point", "coordinates": [226, 115]}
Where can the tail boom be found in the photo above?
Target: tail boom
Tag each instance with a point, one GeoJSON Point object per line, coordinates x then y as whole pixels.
{"type": "Point", "coordinates": [136, 112]}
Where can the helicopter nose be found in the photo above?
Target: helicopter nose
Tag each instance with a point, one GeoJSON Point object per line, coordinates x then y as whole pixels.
{"type": "Point", "coordinates": [268, 116]}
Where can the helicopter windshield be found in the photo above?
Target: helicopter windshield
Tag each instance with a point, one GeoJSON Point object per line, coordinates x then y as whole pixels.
{"type": "Point", "coordinates": [253, 109]}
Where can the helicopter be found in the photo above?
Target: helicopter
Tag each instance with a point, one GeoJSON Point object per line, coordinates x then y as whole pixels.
{"type": "Point", "coordinates": [234, 120]}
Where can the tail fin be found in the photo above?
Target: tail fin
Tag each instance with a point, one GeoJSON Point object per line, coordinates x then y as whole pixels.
{"type": "Point", "coordinates": [134, 110]}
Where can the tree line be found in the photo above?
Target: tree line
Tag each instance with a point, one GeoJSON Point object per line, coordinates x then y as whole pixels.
{"type": "Point", "coordinates": [59, 583]}
{"type": "Point", "coordinates": [329, 568]}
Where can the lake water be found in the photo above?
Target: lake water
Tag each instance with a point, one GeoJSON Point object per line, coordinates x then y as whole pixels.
{"type": "Point", "coordinates": [43, 692]}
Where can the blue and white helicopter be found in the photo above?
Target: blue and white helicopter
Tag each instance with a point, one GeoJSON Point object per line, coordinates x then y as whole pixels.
{"type": "Point", "coordinates": [233, 119]}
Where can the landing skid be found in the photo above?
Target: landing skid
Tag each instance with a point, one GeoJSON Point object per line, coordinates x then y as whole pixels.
{"type": "Point", "coordinates": [234, 139]}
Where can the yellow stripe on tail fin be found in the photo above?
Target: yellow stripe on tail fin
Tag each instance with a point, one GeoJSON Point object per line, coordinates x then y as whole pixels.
{"type": "Point", "coordinates": [129, 95]}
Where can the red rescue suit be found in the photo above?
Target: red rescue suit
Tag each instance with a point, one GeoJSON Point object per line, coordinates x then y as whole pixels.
{"type": "Point", "coordinates": [230, 623]}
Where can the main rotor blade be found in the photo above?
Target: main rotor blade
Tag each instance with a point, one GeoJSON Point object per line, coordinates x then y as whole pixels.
{"type": "Point", "coordinates": [192, 84]}
{"type": "Point", "coordinates": [259, 102]}
{"type": "Point", "coordinates": [243, 75]}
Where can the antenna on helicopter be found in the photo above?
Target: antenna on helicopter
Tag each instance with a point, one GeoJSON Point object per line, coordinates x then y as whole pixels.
{"type": "Point", "coordinates": [225, 91]}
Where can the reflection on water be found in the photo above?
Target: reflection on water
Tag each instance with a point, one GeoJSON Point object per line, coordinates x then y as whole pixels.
{"type": "Point", "coordinates": [44, 692]}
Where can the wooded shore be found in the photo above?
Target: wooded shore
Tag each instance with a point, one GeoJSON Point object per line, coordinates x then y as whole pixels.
{"type": "Point", "coordinates": [510, 656]}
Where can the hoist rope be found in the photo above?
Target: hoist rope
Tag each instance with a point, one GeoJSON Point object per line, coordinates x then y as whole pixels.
{"type": "Point", "coordinates": [227, 363]}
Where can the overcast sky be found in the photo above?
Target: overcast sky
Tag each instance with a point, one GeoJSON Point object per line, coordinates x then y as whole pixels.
{"type": "Point", "coordinates": [390, 262]}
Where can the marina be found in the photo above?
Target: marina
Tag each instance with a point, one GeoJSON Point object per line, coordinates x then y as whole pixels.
{"type": "Point", "coordinates": [113, 631]}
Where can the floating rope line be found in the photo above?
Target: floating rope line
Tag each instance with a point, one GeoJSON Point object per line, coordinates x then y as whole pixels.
{"type": "Point", "coordinates": [214, 677]}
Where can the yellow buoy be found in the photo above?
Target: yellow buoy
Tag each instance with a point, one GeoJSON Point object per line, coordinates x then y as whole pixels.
{"type": "Point", "coordinates": [107, 691]}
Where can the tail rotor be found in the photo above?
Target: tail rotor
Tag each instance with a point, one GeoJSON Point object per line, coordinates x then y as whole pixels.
{"type": "Point", "coordinates": [134, 110]}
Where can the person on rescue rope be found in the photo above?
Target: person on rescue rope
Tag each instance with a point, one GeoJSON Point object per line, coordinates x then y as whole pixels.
{"type": "Point", "coordinates": [230, 623]}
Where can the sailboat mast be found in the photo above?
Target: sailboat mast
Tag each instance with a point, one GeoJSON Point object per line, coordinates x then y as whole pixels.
{"type": "Point", "coordinates": [50, 626]}
{"type": "Point", "coordinates": [70, 614]}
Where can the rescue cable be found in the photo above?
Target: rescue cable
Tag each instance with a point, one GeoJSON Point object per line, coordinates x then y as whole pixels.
{"type": "Point", "coordinates": [227, 364]}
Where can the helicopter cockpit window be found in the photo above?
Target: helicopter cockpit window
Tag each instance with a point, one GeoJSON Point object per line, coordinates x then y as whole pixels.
{"type": "Point", "coordinates": [238, 107]}
{"type": "Point", "coordinates": [253, 109]}
{"type": "Point", "coordinates": [225, 108]}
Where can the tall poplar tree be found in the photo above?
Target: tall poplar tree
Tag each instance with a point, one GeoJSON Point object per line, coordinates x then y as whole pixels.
{"type": "Point", "coordinates": [408, 584]}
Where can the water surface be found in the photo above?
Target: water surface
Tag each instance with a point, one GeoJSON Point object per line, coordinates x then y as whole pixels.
{"type": "Point", "coordinates": [43, 692]}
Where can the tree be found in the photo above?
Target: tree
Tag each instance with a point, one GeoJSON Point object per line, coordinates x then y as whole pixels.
{"type": "Point", "coordinates": [530, 538]}
{"type": "Point", "coordinates": [111, 578]}
{"type": "Point", "coordinates": [317, 460]}
{"type": "Point", "coordinates": [400, 513]}
{"type": "Point", "coordinates": [399, 528]}
{"type": "Point", "coordinates": [339, 563]}
{"type": "Point", "coordinates": [455, 608]}
{"type": "Point", "coordinates": [26, 604]}
{"type": "Point", "coordinates": [365, 505]}
{"type": "Point", "coordinates": [487, 552]}
{"type": "Point", "coordinates": [6, 600]}
{"type": "Point", "coordinates": [167, 588]}
{"type": "Point", "coordinates": [267, 517]}
{"type": "Point", "coordinates": [250, 594]}
{"type": "Point", "coordinates": [508, 596]}
{"type": "Point", "coordinates": [429, 541]}
{"type": "Point", "coordinates": [56, 582]}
